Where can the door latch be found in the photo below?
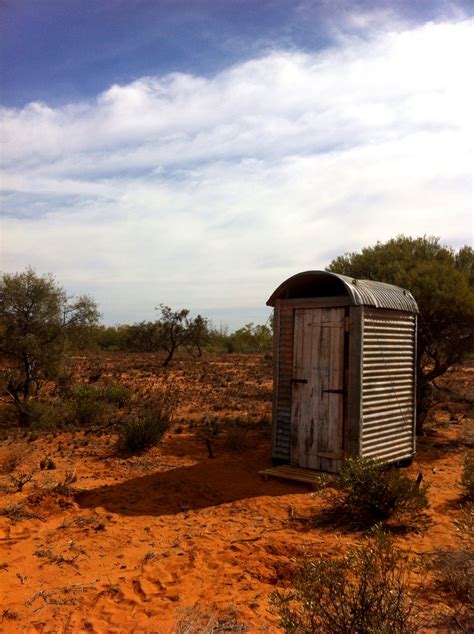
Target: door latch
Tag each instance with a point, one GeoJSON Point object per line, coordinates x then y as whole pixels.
{"type": "Point", "coordinates": [334, 391]}
{"type": "Point", "coordinates": [299, 380]}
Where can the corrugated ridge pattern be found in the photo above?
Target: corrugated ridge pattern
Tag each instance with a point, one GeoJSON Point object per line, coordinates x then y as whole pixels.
{"type": "Point", "coordinates": [388, 382]}
{"type": "Point", "coordinates": [285, 370]}
{"type": "Point", "coordinates": [362, 292]}
{"type": "Point", "coordinates": [379, 295]}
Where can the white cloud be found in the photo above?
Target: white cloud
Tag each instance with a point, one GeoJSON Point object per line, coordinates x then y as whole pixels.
{"type": "Point", "coordinates": [207, 192]}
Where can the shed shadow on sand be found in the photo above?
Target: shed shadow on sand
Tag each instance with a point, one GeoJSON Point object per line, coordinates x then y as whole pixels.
{"type": "Point", "coordinates": [203, 485]}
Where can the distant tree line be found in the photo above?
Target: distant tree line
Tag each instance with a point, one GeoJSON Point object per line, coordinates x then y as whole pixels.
{"type": "Point", "coordinates": [177, 330]}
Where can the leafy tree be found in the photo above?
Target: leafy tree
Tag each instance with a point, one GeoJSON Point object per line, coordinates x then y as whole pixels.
{"type": "Point", "coordinates": [252, 338]}
{"type": "Point", "coordinates": [200, 334]}
{"type": "Point", "coordinates": [37, 323]}
{"type": "Point", "coordinates": [176, 329]}
{"type": "Point", "coordinates": [442, 283]}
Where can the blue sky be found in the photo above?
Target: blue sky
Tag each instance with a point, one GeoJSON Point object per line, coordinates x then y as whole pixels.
{"type": "Point", "coordinates": [198, 153]}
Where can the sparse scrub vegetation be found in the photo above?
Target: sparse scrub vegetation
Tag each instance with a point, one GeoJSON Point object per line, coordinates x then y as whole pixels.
{"type": "Point", "coordinates": [453, 573]}
{"type": "Point", "coordinates": [195, 620]}
{"type": "Point", "coordinates": [47, 416]}
{"type": "Point", "coordinates": [13, 458]}
{"type": "Point", "coordinates": [17, 512]}
{"type": "Point", "coordinates": [52, 558]}
{"type": "Point", "coordinates": [64, 486]}
{"type": "Point", "coordinates": [364, 591]}
{"type": "Point", "coordinates": [87, 405]}
{"type": "Point", "coordinates": [116, 394]}
{"type": "Point", "coordinates": [467, 477]}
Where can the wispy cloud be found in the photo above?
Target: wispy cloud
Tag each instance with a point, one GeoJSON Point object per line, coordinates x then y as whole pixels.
{"type": "Point", "coordinates": [206, 192]}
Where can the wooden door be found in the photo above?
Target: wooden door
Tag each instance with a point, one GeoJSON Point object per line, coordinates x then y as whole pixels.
{"type": "Point", "coordinates": [317, 388]}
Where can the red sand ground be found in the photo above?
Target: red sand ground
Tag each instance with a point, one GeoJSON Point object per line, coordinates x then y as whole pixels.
{"type": "Point", "coordinates": [165, 541]}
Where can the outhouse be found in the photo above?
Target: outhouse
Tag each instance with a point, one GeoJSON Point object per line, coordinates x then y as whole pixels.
{"type": "Point", "coordinates": [344, 371]}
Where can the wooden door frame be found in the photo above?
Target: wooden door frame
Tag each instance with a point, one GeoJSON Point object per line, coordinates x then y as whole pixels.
{"type": "Point", "coordinates": [342, 427]}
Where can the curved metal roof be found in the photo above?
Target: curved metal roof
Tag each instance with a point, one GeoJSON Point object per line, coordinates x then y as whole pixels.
{"type": "Point", "coordinates": [361, 292]}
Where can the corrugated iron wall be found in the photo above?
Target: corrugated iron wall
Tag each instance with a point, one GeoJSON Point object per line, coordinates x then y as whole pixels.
{"type": "Point", "coordinates": [284, 375]}
{"type": "Point", "coordinates": [388, 384]}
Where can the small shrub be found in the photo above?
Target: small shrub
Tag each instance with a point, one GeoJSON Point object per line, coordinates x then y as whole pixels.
{"type": "Point", "coordinates": [86, 392]}
{"type": "Point", "coordinates": [454, 571]}
{"type": "Point", "coordinates": [47, 464]}
{"type": "Point", "coordinates": [64, 383]}
{"type": "Point", "coordinates": [237, 438]}
{"type": "Point", "coordinates": [21, 477]}
{"type": "Point", "coordinates": [13, 458]}
{"type": "Point", "coordinates": [88, 405]}
{"type": "Point", "coordinates": [262, 424]}
{"type": "Point", "coordinates": [65, 485]}
{"type": "Point", "coordinates": [467, 478]}
{"type": "Point", "coordinates": [379, 491]}
{"type": "Point", "coordinates": [88, 412]}
{"type": "Point", "coordinates": [145, 430]}
{"type": "Point", "coordinates": [195, 620]}
{"type": "Point", "coordinates": [364, 591]}
{"type": "Point", "coordinates": [140, 433]}
{"type": "Point", "coordinates": [115, 394]}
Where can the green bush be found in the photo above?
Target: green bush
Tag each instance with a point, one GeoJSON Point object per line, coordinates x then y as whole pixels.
{"type": "Point", "coordinates": [116, 394]}
{"type": "Point", "coordinates": [84, 391]}
{"type": "Point", "coordinates": [373, 489]}
{"type": "Point", "coordinates": [467, 478]}
{"type": "Point", "coordinates": [364, 591]}
{"type": "Point", "coordinates": [43, 417]}
{"type": "Point", "coordinates": [145, 430]}
{"type": "Point", "coordinates": [88, 405]}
